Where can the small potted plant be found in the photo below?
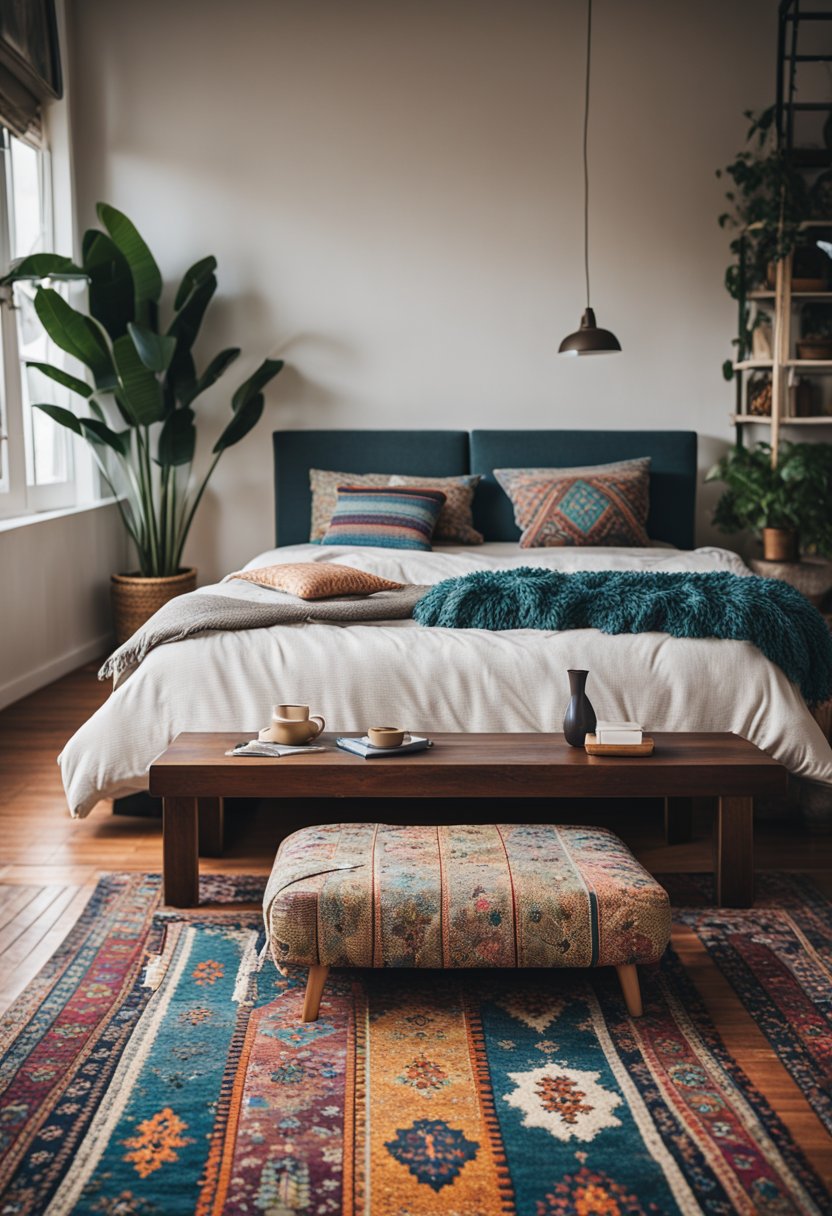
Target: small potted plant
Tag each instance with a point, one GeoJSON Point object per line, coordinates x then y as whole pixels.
{"type": "Point", "coordinates": [139, 393]}
{"type": "Point", "coordinates": [786, 505]}
{"type": "Point", "coordinates": [815, 341]}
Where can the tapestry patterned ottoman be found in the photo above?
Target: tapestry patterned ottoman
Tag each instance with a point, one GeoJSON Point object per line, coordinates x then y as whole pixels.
{"type": "Point", "coordinates": [488, 895]}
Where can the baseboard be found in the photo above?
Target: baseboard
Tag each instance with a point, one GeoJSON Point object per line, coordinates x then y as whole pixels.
{"type": "Point", "coordinates": [54, 669]}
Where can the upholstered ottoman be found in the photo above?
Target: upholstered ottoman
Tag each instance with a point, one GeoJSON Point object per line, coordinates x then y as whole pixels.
{"type": "Point", "coordinates": [493, 895]}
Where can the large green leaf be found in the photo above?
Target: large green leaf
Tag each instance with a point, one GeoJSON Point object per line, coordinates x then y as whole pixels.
{"type": "Point", "coordinates": [154, 350]}
{"type": "Point", "coordinates": [180, 381]}
{"type": "Point", "coordinates": [147, 279]}
{"type": "Point", "coordinates": [246, 417]}
{"type": "Point", "coordinates": [267, 370]}
{"type": "Point", "coordinates": [58, 414]}
{"type": "Point", "coordinates": [177, 439]}
{"type": "Point", "coordinates": [41, 266]}
{"type": "Point", "coordinates": [61, 377]}
{"type": "Point", "coordinates": [140, 393]}
{"type": "Point", "coordinates": [76, 334]}
{"type": "Point", "coordinates": [212, 373]}
{"type": "Point", "coordinates": [98, 432]}
{"type": "Point", "coordinates": [186, 323]}
{"type": "Point", "coordinates": [111, 283]}
{"type": "Point", "coordinates": [193, 278]}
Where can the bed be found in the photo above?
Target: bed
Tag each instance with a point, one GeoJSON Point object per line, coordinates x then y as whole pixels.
{"type": "Point", "coordinates": [438, 679]}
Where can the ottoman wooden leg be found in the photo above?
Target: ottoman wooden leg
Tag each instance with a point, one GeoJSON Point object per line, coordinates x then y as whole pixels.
{"type": "Point", "coordinates": [314, 988]}
{"type": "Point", "coordinates": [628, 978]}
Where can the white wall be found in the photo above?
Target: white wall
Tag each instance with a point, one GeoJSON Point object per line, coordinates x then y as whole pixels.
{"type": "Point", "coordinates": [393, 191]}
{"type": "Point", "coordinates": [54, 571]}
{"type": "Point", "coordinates": [54, 596]}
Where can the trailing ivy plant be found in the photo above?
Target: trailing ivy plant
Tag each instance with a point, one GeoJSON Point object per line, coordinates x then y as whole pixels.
{"type": "Point", "coordinates": [796, 494]}
{"type": "Point", "coordinates": [145, 384]}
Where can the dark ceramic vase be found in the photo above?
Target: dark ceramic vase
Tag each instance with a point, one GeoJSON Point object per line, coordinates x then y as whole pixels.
{"type": "Point", "coordinates": [580, 716]}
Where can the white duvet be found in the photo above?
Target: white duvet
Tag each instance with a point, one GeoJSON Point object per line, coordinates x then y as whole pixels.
{"type": "Point", "coordinates": [429, 680]}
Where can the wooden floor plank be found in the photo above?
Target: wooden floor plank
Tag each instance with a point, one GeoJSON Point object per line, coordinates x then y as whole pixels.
{"type": "Point", "coordinates": [27, 915]}
{"type": "Point", "coordinates": [33, 933]}
{"type": "Point", "coordinates": [13, 900]}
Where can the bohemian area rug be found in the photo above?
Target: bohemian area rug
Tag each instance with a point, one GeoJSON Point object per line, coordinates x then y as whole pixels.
{"type": "Point", "coordinates": [152, 1069]}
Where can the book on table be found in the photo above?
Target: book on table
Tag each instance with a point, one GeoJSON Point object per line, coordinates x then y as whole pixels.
{"type": "Point", "coordinates": [361, 746]}
{"type": "Point", "coordinates": [618, 733]}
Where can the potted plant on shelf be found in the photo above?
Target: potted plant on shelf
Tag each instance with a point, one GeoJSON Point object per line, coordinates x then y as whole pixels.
{"type": "Point", "coordinates": [141, 422]}
{"type": "Point", "coordinates": [786, 505]}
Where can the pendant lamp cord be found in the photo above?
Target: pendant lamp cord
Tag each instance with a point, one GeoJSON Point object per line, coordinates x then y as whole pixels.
{"type": "Point", "coordinates": [586, 154]}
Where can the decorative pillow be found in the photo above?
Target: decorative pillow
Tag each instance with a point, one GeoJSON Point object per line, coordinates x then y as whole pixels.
{"type": "Point", "coordinates": [604, 504]}
{"type": "Point", "coordinates": [455, 525]}
{"type": "Point", "coordinates": [324, 486]}
{"type": "Point", "coordinates": [317, 580]}
{"type": "Point", "coordinates": [384, 517]}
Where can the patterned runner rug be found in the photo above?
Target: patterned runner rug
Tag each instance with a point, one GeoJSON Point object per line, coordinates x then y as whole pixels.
{"type": "Point", "coordinates": [151, 1069]}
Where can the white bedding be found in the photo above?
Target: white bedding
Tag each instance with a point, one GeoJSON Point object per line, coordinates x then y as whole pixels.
{"type": "Point", "coordinates": [441, 679]}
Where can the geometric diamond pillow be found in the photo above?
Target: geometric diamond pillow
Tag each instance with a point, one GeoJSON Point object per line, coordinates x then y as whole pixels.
{"type": "Point", "coordinates": [603, 504]}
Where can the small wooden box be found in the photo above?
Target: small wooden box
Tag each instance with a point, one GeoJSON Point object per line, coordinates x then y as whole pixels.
{"type": "Point", "coordinates": [645, 748]}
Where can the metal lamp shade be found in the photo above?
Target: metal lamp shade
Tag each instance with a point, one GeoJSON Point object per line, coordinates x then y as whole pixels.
{"type": "Point", "coordinates": [589, 339]}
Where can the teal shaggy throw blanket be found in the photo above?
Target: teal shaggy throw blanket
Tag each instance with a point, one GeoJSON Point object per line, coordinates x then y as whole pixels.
{"type": "Point", "coordinates": [773, 616]}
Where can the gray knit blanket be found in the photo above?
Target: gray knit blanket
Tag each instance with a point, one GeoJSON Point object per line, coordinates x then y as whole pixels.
{"type": "Point", "coordinates": [198, 612]}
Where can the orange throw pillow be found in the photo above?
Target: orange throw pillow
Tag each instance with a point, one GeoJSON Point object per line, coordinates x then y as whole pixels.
{"type": "Point", "coordinates": [317, 580]}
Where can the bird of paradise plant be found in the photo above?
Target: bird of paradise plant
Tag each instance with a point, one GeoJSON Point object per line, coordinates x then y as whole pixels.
{"type": "Point", "coordinates": [144, 380]}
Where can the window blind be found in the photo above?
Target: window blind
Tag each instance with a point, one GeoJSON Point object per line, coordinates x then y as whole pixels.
{"type": "Point", "coordinates": [30, 64]}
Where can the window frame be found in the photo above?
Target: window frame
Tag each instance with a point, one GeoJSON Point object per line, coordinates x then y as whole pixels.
{"type": "Point", "coordinates": [17, 495]}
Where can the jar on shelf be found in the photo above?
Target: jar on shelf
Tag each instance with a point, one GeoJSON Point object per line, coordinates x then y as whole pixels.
{"type": "Point", "coordinates": [759, 396]}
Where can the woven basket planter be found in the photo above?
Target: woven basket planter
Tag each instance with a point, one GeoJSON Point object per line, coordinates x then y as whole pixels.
{"type": "Point", "coordinates": [135, 599]}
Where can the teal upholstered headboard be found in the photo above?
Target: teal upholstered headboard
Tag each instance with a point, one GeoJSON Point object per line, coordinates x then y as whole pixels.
{"type": "Point", "coordinates": [414, 453]}
{"type": "Point", "coordinates": [672, 473]}
{"type": "Point", "coordinates": [446, 453]}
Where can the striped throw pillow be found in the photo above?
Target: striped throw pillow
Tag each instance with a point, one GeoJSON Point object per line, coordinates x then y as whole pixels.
{"type": "Point", "coordinates": [384, 517]}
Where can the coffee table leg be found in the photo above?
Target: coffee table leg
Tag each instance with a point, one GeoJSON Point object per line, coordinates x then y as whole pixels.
{"type": "Point", "coordinates": [180, 850]}
{"type": "Point", "coordinates": [734, 852]}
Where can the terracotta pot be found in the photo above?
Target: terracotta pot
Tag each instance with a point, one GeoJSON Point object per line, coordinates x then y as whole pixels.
{"type": "Point", "coordinates": [135, 598]}
{"type": "Point", "coordinates": [780, 545]}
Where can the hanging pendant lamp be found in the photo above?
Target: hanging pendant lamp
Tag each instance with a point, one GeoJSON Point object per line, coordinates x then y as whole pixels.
{"type": "Point", "coordinates": [589, 339]}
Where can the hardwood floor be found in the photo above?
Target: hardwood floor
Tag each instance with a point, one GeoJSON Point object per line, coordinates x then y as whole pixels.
{"type": "Point", "coordinates": [49, 864]}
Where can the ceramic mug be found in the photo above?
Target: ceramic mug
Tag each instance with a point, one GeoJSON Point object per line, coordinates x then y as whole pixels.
{"type": "Point", "coordinates": [293, 725]}
{"type": "Point", "coordinates": [290, 713]}
{"type": "Point", "coordinates": [385, 736]}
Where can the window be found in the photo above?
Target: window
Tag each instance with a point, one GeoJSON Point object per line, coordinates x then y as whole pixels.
{"type": "Point", "coordinates": [36, 456]}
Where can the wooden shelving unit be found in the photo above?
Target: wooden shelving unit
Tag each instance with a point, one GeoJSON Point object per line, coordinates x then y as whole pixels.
{"type": "Point", "coordinates": [800, 110]}
{"type": "Point", "coordinates": [783, 304]}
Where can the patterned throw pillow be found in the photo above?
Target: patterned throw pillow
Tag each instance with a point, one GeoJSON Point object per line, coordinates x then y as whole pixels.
{"type": "Point", "coordinates": [384, 517]}
{"type": "Point", "coordinates": [324, 486]}
{"type": "Point", "coordinates": [605, 504]}
{"type": "Point", "coordinates": [317, 580]}
{"type": "Point", "coordinates": [455, 525]}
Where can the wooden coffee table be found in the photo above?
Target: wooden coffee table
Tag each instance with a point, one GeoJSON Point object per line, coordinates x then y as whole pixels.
{"type": "Point", "coordinates": [194, 775]}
